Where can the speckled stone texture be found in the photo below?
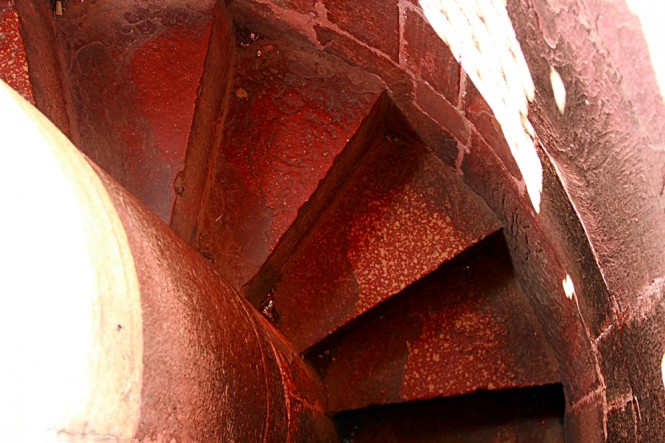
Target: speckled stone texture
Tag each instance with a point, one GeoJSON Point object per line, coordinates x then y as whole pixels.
{"type": "Point", "coordinates": [130, 77]}
{"type": "Point", "coordinates": [459, 332]}
{"type": "Point", "coordinates": [400, 216]}
{"type": "Point", "coordinates": [290, 115]}
{"type": "Point", "coordinates": [601, 218]}
{"type": "Point", "coordinates": [13, 62]}
{"type": "Point", "coordinates": [532, 415]}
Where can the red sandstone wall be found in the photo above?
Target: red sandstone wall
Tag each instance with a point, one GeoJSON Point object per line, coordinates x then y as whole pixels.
{"type": "Point", "coordinates": [602, 204]}
{"type": "Point", "coordinates": [392, 40]}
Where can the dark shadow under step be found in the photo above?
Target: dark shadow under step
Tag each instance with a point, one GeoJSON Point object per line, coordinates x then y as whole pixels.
{"type": "Point", "coordinates": [518, 415]}
{"type": "Point", "coordinates": [291, 112]}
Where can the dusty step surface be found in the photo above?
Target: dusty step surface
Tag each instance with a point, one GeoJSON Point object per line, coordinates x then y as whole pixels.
{"type": "Point", "coordinates": [463, 328]}
{"type": "Point", "coordinates": [518, 415]}
{"type": "Point", "coordinates": [13, 61]}
{"type": "Point", "coordinates": [400, 216]}
{"type": "Point", "coordinates": [291, 113]}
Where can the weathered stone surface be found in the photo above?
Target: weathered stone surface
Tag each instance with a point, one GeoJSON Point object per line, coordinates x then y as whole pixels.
{"type": "Point", "coordinates": [465, 327]}
{"type": "Point", "coordinates": [375, 125]}
{"type": "Point", "coordinates": [302, 6]}
{"type": "Point", "coordinates": [644, 344]}
{"type": "Point", "coordinates": [38, 32]}
{"type": "Point", "coordinates": [598, 146]}
{"type": "Point", "coordinates": [429, 57]}
{"type": "Point", "coordinates": [397, 81]}
{"type": "Point", "coordinates": [538, 268]}
{"type": "Point", "coordinates": [13, 62]}
{"type": "Point", "coordinates": [152, 344]}
{"type": "Point", "coordinates": [533, 415]}
{"type": "Point", "coordinates": [212, 365]}
{"type": "Point", "coordinates": [585, 421]}
{"type": "Point", "coordinates": [623, 40]}
{"type": "Point", "coordinates": [291, 113]}
{"type": "Point", "coordinates": [374, 22]}
{"type": "Point", "coordinates": [604, 202]}
{"type": "Point", "coordinates": [479, 114]}
{"type": "Point", "coordinates": [445, 114]}
{"type": "Point", "coordinates": [622, 424]}
{"type": "Point", "coordinates": [192, 182]}
{"type": "Point", "coordinates": [612, 360]}
{"type": "Point", "coordinates": [131, 75]}
{"type": "Point", "coordinates": [375, 240]}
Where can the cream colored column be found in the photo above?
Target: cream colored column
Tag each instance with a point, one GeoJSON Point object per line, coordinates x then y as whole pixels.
{"type": "Point", "coordinates": [70, 313]}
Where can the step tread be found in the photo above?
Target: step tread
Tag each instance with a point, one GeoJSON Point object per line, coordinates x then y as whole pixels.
{"type": "Point", "coordinates": [518, 415]}
{"type": "Point", "coordinates": [291, 113]}
{"type": "Point", "coordinates": [400, 216]}
{"type": "Point", "coordinates": [468, 327]}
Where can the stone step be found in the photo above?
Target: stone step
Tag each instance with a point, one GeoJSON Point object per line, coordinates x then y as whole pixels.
{"type": "Point", "coordinates": [291, 114]}
{"type": "Point", "coordinates": [401, 215]}
{"type": "Point", "coordinates": [130, 78]}
{"type": "Point", "coordinates": [466, 327]}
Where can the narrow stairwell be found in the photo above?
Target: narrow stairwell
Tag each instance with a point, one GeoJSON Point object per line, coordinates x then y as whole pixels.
{"type": "Point", "coordinates": [400, 215]}
{"type": "Point", "coordinates": [383, 278]}
{"type": "Point", "coordinates": [369, 254]}
{"type": "Point", "coordinates": [463, 328]}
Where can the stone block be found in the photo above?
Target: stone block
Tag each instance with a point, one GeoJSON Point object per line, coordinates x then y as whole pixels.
{"type": "Point", "coordinates": [585, 421]}
{"type": "Point", "coordinates": [429, 58]}
{"type": "Point", "coordinates": [374, 22]}
{"type": "Point", "coordinates": [441, 110]}
{"type": "Point", "coordinates": [302, 6]}
{"type": "Point", "coordinates": [291, 114]}
{"type": "Point", "coordinates": [644, 340]}
{"type": "Point", "coordinates": [478, 112]}
{"type": "Point", "coordinates": [375, 240]}
{"type": "Point", "coordinates": [397, 81]}
{"type": "Point", "coordinates": [612, 361]}
{"type": "Point", "coordinates": [621, 424]}
{"type": "Point", "coordinates": [469, 340]}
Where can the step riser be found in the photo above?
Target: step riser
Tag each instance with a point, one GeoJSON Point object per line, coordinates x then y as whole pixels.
{"type": "Point", "coordinates": [372, 127]}
{"type": "Point", "coordinates": [372, 242]}
{"type": "Point", "coordinates": [466, 327]}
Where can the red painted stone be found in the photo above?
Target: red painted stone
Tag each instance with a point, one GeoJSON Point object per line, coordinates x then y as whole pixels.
{"type": "Point", "coordinates": [213, 368]}
{"type": "Point", "coordinates": [398, 218]}
{"type": "Point", "coordinates": [38, 31]}
{"type": "Point", "coordinates": [13, 62]}
{"type": "Point", "coordinates": [302, 6]}
{"type": "Point", "coordinates": [132, 75]}
{"type": "Point", "coordinates": [443, 112]}
{"type": "Point", "coordinates": [291, 114]}
{"type": "Point", "coordinates": [538, 267]}
{"type": "Point", "coordinates": [429, 57]}
{"type": "Point", "coordinates": [373, 22]}
{"type": "Point", "coordinates": [464, 328]}
{"type": "Point", "coordinates": [162, 93]}
{"type": "Point", "coordinates": [191, 183]}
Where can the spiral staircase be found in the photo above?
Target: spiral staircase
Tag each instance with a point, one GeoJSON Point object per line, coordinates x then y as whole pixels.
{"type": "Point", "coordinates": [353, 285]}
{"type": "Point", "coordinates": [372, 257]}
